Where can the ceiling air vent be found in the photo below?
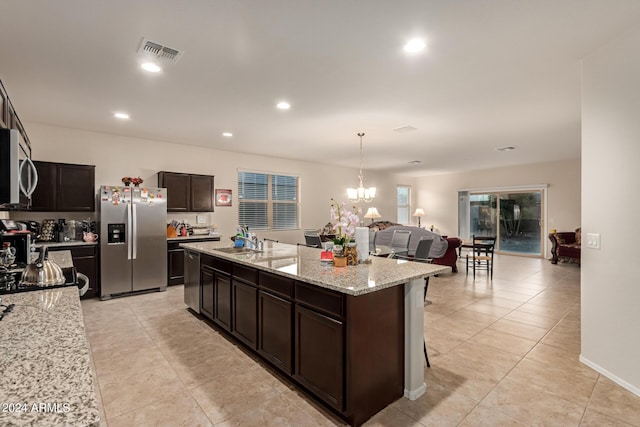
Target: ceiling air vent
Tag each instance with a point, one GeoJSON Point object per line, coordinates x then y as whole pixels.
{"type": "Point", "coordinates": [159, 51]}
{"type": "Point", "coordinates": [405, 129]}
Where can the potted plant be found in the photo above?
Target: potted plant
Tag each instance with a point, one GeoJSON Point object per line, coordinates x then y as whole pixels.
{"type": "Point", "coordinates": [344, 223]}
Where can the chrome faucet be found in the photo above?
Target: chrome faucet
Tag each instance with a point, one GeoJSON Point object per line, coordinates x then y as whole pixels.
{"type": "Point", "coordinates": [252, 242]}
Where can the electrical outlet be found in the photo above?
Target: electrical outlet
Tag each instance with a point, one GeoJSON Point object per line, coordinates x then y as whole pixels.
{"type": "Point", "coordinates": [201, 219]}
{"type": "Point", "coordinates": [593, 240]}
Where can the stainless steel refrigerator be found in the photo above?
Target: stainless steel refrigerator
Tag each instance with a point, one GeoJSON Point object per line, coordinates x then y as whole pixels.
{"type": "Point", "coordinates": [133, 239]}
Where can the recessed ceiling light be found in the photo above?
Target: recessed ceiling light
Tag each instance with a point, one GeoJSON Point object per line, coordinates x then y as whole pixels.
{"type": "Point", "coordinates": [509, 148]}
{"type": "Point", "coordinates": [123, 116]}
{"type": "Point", "coordinates": [227, 134]}
{"type": "Point", "coordinates": [283, 105]}
{"type": "Point", "coordinates": [414, 46]}
{"type": "Point", "coordinates": [415, 162]}
{"type": "Point", "coordinates": [151, 67]}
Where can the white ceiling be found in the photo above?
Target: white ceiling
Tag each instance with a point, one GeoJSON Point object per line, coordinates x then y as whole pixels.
{"type": "Point", "coordinates": [495, 73]}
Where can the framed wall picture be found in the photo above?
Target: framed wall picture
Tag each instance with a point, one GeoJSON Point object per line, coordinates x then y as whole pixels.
{"type": "Point", "coordinates": [223, 197]}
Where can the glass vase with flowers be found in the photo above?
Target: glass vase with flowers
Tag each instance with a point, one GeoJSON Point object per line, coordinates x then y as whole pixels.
{"type": "Point", "coordinates": [344, 222]}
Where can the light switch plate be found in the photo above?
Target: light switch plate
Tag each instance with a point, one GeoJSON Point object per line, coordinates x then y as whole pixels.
{"type": "Point", "coordinates": [593, 240]}
{"type": "Point", "coordinates": [200, 219]}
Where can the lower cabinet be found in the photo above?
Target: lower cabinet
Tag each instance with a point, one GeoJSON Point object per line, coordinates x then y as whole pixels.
{"type": "Point", "coordinates": [347, 351]}
{"type": "Point", "coordinates": [207, 275]}
{"type": "Point", "coordinates": [245, 313]}
{"type": "Point", "coordinates": [319, 350]}
{"type": "Point", "coordinates": [85, 260]}
{"type": "Point", "coordinates": [275, 330]}
{"type": "Point", "coordinates": [175, 258]}
{"type": "Point", "coordinates": [175, 265]}
{"type": "Point", "coordinates": [222, 300]}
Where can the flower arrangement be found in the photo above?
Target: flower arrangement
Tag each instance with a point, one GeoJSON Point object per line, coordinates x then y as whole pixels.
{"type": "Point", "coordinates": [127, 180]}
{"type": "Point", "coordinates": [344, 222]}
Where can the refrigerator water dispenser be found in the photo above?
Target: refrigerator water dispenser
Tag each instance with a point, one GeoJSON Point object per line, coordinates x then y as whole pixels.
{"type": "Point", "coordinates": [115, 233]}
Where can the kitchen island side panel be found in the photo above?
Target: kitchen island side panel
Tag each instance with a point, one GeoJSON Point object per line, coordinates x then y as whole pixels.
{"type": "Point", "coordinates": [375, 352]}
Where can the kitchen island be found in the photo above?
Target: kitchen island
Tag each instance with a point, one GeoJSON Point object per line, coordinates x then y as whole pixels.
{"type": "Point", "coordinates": [352, 337]}
{"type": "Point", "coordinates": [46, 376]}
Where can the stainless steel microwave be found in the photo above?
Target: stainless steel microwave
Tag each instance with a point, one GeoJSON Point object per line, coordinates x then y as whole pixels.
{"type": "Point", "coordinates": [18, 175]}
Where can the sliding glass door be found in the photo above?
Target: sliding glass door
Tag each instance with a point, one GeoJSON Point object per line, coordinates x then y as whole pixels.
{"type": "Point", "coordinates": [514, 217]}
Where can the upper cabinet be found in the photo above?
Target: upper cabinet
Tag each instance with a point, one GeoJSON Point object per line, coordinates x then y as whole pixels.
{"type": "Point", "coordinates": [64, 187]}
{"type": "Point", "coordinates": [4, 103]}
{"type": "Point", "coordinates": [187, 192]}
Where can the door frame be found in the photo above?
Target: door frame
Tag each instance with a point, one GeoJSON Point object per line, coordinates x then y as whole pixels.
{"type": "Point", "coordinates": [464, 212]}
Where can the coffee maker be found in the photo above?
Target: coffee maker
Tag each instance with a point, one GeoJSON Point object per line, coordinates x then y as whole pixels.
{"type": "Point", "coordinates": [22, 244]}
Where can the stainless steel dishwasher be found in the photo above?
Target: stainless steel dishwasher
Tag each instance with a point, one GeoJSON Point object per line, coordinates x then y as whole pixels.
{"type": "Point", "coordinates": [192, 279]}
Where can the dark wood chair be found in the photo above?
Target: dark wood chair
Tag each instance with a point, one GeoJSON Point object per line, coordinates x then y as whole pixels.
{"type": "Point", "coordinates": [481, 255]}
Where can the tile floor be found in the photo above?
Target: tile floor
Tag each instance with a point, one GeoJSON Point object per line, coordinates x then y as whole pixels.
{"type": "Point", "coordinates": [503, 353]}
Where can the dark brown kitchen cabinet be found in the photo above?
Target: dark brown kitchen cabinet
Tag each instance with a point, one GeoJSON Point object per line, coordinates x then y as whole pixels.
{"type": "Point", "coordinates": [201, 193]}
{"type": "Point", "coordinates": [44, 196]}
{"type": "Point", "coordinates": [245, 313]}
{"type": "Point", "coordinates": [215, 280]}
{"type": "Point", "coordinates": [275, 330]}
{"type": "Point", "coordinates": [4, 99]}
{"type": "Point", "coordinates": [175, 264]}
{"type": "Point", "coordinates": [64, 187]}
{"type": "Point", "coordinates": [85, 260]}
{"type": "Point", "coordinates": [222, 301]}
{"type": "Point", "coordinates": [178, 190]}
{"type": "Point", "coordinates": [319, 362]}
{"type": "Point", "coordinates": [175, 257]}
{"type": "Point", "coordinates": [346, 350]}
{"type": "Point", "coordinates": [12, 118]}
{"type": "Point", "coordinates": [207, 277]}
{"type": "Point", "coordinates": [187, 192]}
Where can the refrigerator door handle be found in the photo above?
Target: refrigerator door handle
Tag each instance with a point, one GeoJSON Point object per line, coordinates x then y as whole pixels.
{"type": "Point", "coordinates": [129, 231]}
{"type": "Point", "coordinates": [135, 231]}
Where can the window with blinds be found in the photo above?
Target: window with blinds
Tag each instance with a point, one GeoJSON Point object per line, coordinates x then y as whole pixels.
{"type": "Point", "coordinates": [268, 201]}
{"type": "Point", "coordinates": [404, 204]}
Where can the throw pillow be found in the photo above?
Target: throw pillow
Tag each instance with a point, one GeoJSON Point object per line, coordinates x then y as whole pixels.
{"type": "Point", "coordinates": [560, 239]}
{"type": "Point", "coordinates": [578, 236]}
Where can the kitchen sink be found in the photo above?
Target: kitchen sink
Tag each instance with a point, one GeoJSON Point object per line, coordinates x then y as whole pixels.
{"type": "Point", "coordinates": [234, 250]}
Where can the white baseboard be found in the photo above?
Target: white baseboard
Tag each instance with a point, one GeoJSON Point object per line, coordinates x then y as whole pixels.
{"type": "Point", "coordinates": [622, 383]}
{"type": "Point", "coordinates": [414, 394]}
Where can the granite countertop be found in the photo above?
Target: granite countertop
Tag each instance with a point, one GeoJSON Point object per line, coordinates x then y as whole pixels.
{"type": "Point", "coordinates": [303, 263]}
{"type": "Point", "coordinates": [46, 376]}
{"type": "Point", "coordinates": [39, 245]}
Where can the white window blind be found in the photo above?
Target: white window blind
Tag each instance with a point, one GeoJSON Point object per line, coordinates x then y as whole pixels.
{"type": "Point", "coordinates": [268, 201]}
{"type": "Point", "coordinates": [404, 204]}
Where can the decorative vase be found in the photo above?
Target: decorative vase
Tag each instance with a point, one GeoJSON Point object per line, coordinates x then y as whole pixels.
{"type": "Point", "coordinates": [339, 261]}
{"type": "Point", "coordinates": [338, 250]}
{"type": "Point", "coordinates": [351, 253]}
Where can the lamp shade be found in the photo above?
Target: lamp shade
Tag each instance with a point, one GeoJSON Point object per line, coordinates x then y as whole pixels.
{"type": "Point", "coordinates": [372, 213]}
{"type": "Point", "coordinates": [419, 212]}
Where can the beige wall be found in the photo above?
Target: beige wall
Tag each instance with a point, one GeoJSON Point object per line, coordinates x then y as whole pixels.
{"type": "Point", "coordinates": [610, 153]}
{"type": "Point", "coordinates": [118, 156]}
{"type": "Point", "coordinates": [438, 195]}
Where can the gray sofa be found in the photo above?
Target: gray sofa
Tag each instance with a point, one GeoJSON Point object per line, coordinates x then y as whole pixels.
{"type": "Point", "coordinates": [438, 248]}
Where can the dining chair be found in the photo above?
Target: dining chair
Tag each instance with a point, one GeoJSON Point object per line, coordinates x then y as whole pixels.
{"type": "Point", "coordinates": [481, 255]}
{"type": "Point", "coordinates": [400, 241]}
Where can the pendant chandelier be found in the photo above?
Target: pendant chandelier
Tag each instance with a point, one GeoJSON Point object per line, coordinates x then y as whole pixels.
{"type": "Point", "coordinates": [361, 194]}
